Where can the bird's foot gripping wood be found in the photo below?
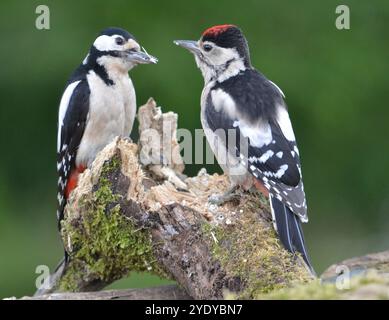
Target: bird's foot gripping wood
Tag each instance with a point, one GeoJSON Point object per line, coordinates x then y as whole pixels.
{"type": "Point", "coordinates": [221, 198]}
{"type": "Point", "coordinates": [122, 219]}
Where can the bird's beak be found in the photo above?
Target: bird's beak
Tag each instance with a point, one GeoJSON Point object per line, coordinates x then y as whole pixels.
{"type": "Point", "coordinates": [190, 45]}
{"type": "Point", "coordinates": [135, 55]}
{"type": "Point", "coordinates": [140, 57]}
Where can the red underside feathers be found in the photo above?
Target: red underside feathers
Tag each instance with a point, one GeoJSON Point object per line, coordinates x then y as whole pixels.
{"type": "Point", "coordinates": [73, 180]}
{"type": "Point", "coordinates": [260, 187]}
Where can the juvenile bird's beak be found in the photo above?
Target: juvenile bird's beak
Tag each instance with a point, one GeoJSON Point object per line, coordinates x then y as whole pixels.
{"type": "Point", "coordinates": [190, 45]}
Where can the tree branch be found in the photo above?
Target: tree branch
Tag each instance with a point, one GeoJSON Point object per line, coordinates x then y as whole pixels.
{"type": "Point", "coordinates": [171, 292]}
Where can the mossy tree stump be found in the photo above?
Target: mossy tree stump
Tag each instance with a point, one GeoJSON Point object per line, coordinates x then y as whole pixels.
{"type": "Point", "coordinates": [126, 216]}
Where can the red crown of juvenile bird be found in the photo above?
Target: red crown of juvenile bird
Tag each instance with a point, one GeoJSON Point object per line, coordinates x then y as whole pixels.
{"type": "Point", "coordinates": [216, 30]}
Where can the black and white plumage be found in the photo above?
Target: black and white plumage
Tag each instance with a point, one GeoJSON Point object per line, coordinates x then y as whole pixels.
{"type": "Point", "coordinates": [247, 125]}
{"type": "Point", "coordinates": [98, 104]}
{"type": "Point", "coordinates": [71, 127]}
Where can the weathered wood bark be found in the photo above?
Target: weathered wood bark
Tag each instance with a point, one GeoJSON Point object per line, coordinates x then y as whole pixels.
{"type": "Point", "coordinates": [378, 262]}
{"type": "Point", "coordinates": [134, 210]}
{"type": "Point", "coordinates": [367, 276]}
{"type": "Point", "coordinates": [170, 292]}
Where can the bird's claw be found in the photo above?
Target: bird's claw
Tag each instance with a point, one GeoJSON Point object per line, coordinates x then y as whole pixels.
{"type": "Point", "coordinates": [219, 199]}
{"type": "Point", "coordinates": [127, 138]}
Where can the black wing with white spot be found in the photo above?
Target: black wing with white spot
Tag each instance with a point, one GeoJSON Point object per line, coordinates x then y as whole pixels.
{"type": "Point", "coordinates": [258, 118]}
{"type": "Point", "coordinates": [73, 115]}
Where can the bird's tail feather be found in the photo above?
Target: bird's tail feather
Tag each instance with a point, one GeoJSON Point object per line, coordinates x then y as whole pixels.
{"type": "Point", "coordinates": [51, 282]}
{"type": "Point", "coordinates": [288, 227]}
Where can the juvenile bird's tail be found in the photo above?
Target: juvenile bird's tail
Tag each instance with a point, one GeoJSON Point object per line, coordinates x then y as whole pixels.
{"type": "Point", "coordinates": [288, 227]}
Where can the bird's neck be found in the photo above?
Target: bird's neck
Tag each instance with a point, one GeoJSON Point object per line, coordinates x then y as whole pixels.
{"type": "Point", "coordinates": [231, 69]}
{"type": "Point", "coordinates": [223, 72]}
{"type": "Point", "coordinates": [109, 70]}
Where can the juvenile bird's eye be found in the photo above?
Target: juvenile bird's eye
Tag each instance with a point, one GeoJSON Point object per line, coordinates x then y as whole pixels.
{"type": "Point", "coordinates": [207, 47]}
{"type": "Point", "coordinates": [119, 40]}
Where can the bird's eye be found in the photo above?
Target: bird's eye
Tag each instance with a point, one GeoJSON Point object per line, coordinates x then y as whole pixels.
{"type": "Point", "coordinates": [207, 47]}
{"type": "Point", "coordinates": [119, 41]}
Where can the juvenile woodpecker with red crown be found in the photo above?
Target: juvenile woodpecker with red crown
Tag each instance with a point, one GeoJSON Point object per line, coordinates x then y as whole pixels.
{"type": "Point", "coordinates": [97, 105]}
{"type": "Point", "coordinates": [246, 122]}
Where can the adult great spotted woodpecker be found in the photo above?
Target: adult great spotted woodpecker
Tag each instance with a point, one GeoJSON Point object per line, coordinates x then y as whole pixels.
{"type": "Point", "coordinates": [246, 122]}
{"type": "Point", "coordinates": [97, 105]}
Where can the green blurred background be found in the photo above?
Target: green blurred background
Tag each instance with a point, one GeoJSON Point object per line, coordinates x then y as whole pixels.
{"type": "Point", "coordinates": [336, 85]}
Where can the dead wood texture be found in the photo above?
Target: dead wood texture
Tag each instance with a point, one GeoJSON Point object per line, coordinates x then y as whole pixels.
{"type": "Point", "coordinates": [135, 211]}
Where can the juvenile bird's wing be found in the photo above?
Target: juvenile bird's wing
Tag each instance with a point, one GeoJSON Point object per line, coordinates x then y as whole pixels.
{"type": "Point", "coordinates": [251, 107]}
{"type": "Point", "coordinates": [73, 113]}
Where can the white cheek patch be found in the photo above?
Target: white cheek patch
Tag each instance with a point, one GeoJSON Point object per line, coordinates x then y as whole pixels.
{"type": "Point", "coordinates": [219, 55]}
{"type": "Point", "coordinates": [106, 43]}
{"type": "Point", "coordinates": [284, 123]}
{"type": "Point", "coordinates": [218, 59]}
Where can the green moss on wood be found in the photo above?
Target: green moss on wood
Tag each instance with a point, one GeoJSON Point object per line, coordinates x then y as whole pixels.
{"type": "Point", "coordinates": [107, 245]}
{"type": "Point", "coordinates": [249, 249]}
{"type": "Point", "coordinates": [313, 290]}
{"type": "Point", "coordinates": [370, 285]}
